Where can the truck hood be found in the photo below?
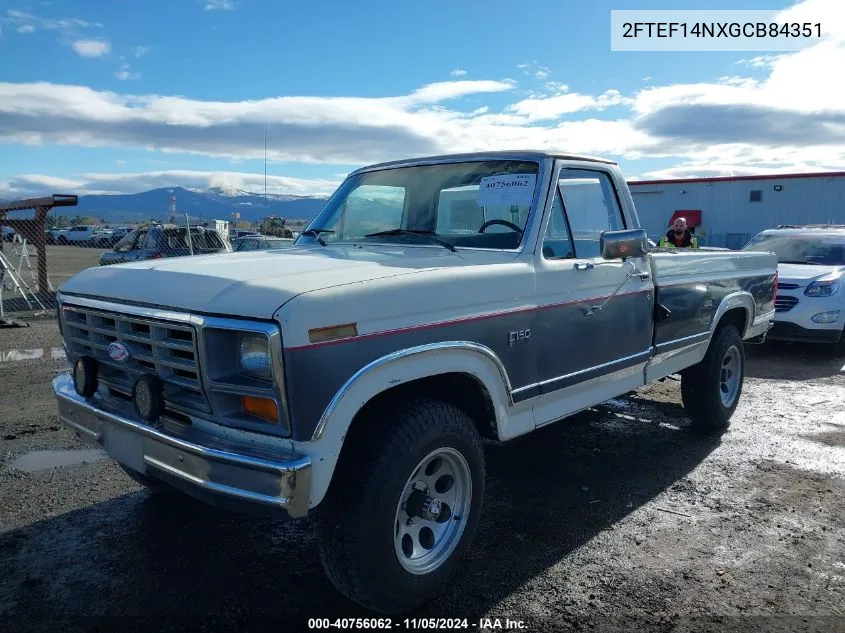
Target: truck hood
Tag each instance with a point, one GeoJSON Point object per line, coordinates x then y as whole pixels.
{"type": "Point", "coordinates": [804, 274]}
{"type": "Point", "coordinates": [250, 284]}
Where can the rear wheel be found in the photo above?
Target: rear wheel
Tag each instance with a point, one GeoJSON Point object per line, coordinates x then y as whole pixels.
{"type": "Point", "coordinates": [711, 389]}
{"type": "Point", "coordinates": [404, 506]}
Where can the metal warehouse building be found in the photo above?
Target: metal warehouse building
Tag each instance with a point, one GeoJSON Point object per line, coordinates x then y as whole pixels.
{"type": "Point", "coordinates": [728, 212]}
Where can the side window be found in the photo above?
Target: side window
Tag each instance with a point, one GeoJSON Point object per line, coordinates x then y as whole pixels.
{"type": "Point", "coordinates": [591, 206]}
{"type": "Point", "coordinates": [557, 244]}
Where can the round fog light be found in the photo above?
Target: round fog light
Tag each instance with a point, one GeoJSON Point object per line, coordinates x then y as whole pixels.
{"type": "Point", "coordinates": [825, 317]}
{"type": "Point", "coordinates": [85, 376]}
{"type": "Point", "coordinates": [148, 397]}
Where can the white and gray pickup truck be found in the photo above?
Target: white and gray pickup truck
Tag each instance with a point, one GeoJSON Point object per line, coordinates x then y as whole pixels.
{"type": "Point", "coordinates": [431, 303]}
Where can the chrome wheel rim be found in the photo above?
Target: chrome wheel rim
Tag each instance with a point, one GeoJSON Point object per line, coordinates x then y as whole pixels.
{"type": "Point", "coordinates": [432, 512]}
{"type": "Point", "coordinates": [729, 376]}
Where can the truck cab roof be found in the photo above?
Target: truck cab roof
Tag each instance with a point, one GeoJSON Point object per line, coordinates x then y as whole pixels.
{"type": "Point", "coordinates": [537, 155]}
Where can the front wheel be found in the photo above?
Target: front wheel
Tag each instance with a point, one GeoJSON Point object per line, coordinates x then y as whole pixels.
{"type": "Point", "coordinates": [711, 389]}
{"type": "Point", "coordinates": [404, 505]}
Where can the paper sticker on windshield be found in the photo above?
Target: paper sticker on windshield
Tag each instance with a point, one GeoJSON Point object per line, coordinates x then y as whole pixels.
{"type": "Point", "coordinates": [506, 189]}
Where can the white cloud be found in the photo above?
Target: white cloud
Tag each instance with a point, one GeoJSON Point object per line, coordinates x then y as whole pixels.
{"type": "Point", "coordinates": [721, 169]}
{"type": "Point", "coordinates": [140, 51]}
{"type": "Point", "coordinates": [124, 73]}
{"type": "Point", "coordinates": [447, 90]}
{"type": "Point", "coordinates": [344, 130]}
{"type": "Point", "coordinates": [25, 22]}
{"type": "Point", "coordinates": [790, 115]}
{"type": "Point", "coordinates": [542, 73]}
{"type": "Point", "coordinates": [546, 108]}
{"type": "Point", "coordinates": [117, 183]}
{"type": "Point", "coordinates": [459, 72]}
{"type": "Point", "coordinates": [761, 61]}
{"type": "Point", "coordinates": [91, 48]}
{"type": "Point", "coordinates": [219, 5]}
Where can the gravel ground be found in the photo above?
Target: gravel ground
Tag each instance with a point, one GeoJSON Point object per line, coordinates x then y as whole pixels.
{"type": "Point", "coordinates": [63, 262]}
{"type": "Point", "coordinates": [618, 519]}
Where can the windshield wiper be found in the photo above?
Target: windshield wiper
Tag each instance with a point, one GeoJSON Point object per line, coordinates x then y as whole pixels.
{"type": "Point", "coordinates": [430, 235]}
{"type": "Point", "coordinates": [804, 263]}
{"type": "Point", "coordinates": [316, 233]}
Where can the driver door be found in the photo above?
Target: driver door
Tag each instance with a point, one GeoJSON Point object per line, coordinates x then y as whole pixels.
{"type": "Point", "coordinates": [586, 355]}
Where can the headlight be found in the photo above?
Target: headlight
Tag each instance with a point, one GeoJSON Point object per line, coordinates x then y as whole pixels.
{"type": "Point", "coordinates": [254, 356]}
{"type": "Point", "coordinates": [822, 288]}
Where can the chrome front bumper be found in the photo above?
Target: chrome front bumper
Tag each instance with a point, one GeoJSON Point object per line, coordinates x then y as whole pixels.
{"type": "Point", "coordinates": [208, 467]}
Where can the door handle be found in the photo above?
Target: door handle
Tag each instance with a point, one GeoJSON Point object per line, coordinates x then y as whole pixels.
{"type": "Point", "coordinates": [584, 265]}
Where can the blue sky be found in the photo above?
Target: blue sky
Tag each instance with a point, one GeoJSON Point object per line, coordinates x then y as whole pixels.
{"type": "Point", "coordinates": [124, 96]}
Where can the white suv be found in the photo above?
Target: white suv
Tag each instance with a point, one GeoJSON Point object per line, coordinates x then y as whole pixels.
{"type": "Point", "coordinates": [79, 235]}
{"type": "Point", "coordinates": [810, 304]}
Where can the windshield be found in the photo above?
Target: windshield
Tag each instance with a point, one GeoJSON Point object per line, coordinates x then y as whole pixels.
{"type": "Point", "coordinates": [125, 243]}
{"type": "Point", "coordinates": [476, 204]}
{"type": "Point", "coordinates": [826, 250]}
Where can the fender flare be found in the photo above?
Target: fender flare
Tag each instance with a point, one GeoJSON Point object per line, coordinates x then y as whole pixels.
{"type": "Point", "coordinates": [741, 299]}
{"type": "Point", "coordinates": [403, 366]}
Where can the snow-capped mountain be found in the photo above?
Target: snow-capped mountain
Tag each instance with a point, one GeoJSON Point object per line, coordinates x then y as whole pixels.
{"type": "Point", "coordinates": [213, 203]}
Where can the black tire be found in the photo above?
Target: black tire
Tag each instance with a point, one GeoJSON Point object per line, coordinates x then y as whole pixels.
{"type": "Point", "coordinates": [150, 483]}
{"type": "Point", "coordinates": [837, 350]}
{"type": "Point", "coordinates": [702, 385]}
{"type": "Point", "coordinates": [62, 241]}
{"type": "Point", "coordinates": [357, 521]}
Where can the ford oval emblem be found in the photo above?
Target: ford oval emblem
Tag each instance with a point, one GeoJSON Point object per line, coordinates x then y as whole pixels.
{"type": "Point", "coordinates": [118, 352]}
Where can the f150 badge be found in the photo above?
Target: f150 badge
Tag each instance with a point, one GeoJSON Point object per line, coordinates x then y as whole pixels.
{"type": "Point", "coordinates": [519, 336]}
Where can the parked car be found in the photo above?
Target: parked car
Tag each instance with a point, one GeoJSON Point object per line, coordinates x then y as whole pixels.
{"type": "Point", "coordinates": [106, 238]}
{"type": "Point", "coordinates": [79, 235]}
{"type": "Point", "coordinates": [159, 241]}
{"type": "Point", "coordinates": [810, 306]}
{"type": "Point", "coordinates": [54, 234]}
{"type": "Point", "coordinates": [102, 238]}
{"type": "Point", "coordinates": [356, 372]}
{"type": "Point", "coordinates": [236, 233]}
{"type": "Point", "coordinates": [260, 243]}
{"type": "Point", "coordinates": [8, 234]}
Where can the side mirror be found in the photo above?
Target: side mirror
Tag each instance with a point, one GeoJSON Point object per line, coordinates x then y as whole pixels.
{"type": "Point", "coordinates": [624, 244]}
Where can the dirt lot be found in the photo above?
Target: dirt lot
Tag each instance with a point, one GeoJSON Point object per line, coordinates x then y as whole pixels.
{"type": "Point", "coordinates": [618, 519]}
{"type": "Point", "coordinates": [63, 262]}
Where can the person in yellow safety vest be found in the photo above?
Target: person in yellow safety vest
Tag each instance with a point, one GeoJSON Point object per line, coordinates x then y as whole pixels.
{"type": "Point", "coordinates": [679, 236]}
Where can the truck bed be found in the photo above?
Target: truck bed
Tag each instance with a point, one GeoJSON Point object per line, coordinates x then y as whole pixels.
{"type": "Point", "coordinates": [695, 286]}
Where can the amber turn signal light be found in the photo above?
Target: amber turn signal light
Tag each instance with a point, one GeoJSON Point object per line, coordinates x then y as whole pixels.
{"type": "Point", "coordinates": [332, 333]}
{"type": "Point", "coordinates": [263, 408]}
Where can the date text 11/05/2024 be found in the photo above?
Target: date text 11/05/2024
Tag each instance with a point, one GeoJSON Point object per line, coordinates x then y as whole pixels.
{"type": "Point", "coordinates": [417, 624]}
{"type": "Point", "coordinates": [721, 29]}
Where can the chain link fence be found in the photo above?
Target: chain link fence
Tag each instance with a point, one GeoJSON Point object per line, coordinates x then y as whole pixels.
{"type": "Point", "coordinates": [75, 248]}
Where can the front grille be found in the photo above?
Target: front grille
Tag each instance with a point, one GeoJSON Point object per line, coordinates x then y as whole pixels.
{"type": "Point", "coordinates": [164, 348]}
{"type": "Point", "coordinates": [787, 286]}
{"type": "Point", "coordinates": [785, 303]}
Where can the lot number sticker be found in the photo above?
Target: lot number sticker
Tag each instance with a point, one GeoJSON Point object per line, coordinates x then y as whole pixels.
{"type": "Point", "coordinates": [506, 189]}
